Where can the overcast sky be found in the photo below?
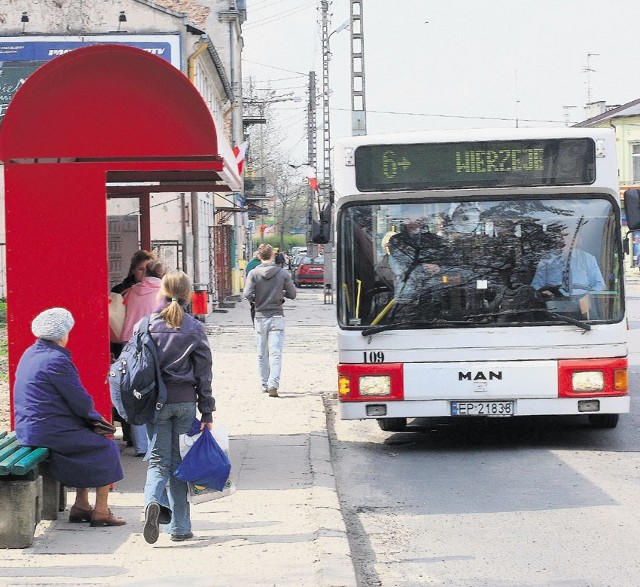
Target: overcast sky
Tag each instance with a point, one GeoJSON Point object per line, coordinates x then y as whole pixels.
{"type": "Point", "coordinates": [433, 64]}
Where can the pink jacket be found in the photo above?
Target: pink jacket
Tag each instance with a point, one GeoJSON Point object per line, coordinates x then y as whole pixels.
{"type": "Point", "coordinates": [141, 300]}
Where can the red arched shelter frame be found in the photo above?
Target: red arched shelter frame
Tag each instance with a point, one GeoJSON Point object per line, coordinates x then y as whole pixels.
{"type": "Point", "coordinates": [98, 121]}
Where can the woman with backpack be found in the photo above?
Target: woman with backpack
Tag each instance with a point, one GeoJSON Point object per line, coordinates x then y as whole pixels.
{"type": "Point", "coordinates": [142, 300]}
{"type": "Point", "coordinates": [185, 367]}
{"type": "Point", "coordinates": [53, 410]}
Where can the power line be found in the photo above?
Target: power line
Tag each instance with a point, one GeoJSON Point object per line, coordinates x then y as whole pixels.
{"type": "Point", "coordinates": [280, 16]}
{"type": "Point", "coordinates": [274, 67]}
{"type": "Point", "coordinates": [266, 4]}
{"type": "Point", "coordinates": [460, 116]}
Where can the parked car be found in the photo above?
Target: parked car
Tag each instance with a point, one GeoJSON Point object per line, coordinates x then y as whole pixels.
{"type": "Point", "coordinates": [294, 262]}
{"type": "Point", "coordinates": [309, 272]}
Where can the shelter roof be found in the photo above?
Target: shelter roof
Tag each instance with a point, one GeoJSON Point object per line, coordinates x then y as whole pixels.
{"type": "Point", "coordinates": [121, 104]}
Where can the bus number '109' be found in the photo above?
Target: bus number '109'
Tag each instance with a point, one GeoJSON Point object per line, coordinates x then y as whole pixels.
{"type": "Point", "coordinates": [374, 357]}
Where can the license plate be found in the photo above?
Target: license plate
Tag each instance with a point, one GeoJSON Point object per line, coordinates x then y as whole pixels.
{"type": "Point", "coordinates": [495, 409]}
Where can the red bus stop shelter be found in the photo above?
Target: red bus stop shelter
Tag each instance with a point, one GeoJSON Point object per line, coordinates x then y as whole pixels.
{"type": "Point", "coordinates": [100, 121]}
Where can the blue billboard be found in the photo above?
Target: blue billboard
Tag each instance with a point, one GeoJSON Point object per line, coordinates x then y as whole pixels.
{"type": "Point", "coordinates": [21, 56]}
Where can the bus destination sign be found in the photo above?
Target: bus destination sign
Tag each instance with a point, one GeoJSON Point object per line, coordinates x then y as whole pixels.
{"type": "Point", "coordinates": [546, 162]}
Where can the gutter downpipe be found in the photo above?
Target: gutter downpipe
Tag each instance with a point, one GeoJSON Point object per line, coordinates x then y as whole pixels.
{"type": "Point", "coordinates": [191, 62]}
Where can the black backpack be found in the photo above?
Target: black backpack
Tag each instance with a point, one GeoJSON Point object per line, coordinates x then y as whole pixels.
{"type": "Point", "coordinates": [137, 389]}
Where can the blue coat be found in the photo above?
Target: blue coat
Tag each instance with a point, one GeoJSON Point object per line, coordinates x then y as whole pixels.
{"type": "Point", "coordinates": [51, 408]}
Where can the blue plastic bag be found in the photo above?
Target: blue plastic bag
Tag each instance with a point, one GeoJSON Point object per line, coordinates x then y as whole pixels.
{"type": "Point", "coordinates": [205, 463]}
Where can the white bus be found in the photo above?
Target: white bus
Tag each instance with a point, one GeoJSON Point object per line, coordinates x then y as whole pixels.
{"type": "Point", "coordinates": [480, 274]}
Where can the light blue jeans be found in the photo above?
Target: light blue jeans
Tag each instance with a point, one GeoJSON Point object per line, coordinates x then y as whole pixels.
{"type": "Point", "coordinates": [270, 342]}
{"type": "Point", "coordinates": [174, 419]}
{"type": "Point", "coordinates": [139, 438]}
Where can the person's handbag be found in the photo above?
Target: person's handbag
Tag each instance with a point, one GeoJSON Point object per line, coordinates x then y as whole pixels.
{"type": "Point", "coordinates": [205, 464]}
{"type": "Point", "coordinates": [117, 312]}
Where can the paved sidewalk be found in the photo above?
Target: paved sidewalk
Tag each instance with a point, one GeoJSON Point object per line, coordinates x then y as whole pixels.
{"type": "Point", "coordinates": [283, 527]}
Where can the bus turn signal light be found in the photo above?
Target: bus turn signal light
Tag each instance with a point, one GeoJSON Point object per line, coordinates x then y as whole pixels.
{"type": "Point", "coordinates": [344, 386]}
{"type": "Point", "coordinates": [620, 380]}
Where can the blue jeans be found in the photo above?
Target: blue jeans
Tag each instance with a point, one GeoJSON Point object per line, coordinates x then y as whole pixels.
{"type": "Point", "coordinates": [270, 342]}
{"type": "Point", "coordinates": [139, 438]}
{"type": "Point", "coordinates": [174, 419]}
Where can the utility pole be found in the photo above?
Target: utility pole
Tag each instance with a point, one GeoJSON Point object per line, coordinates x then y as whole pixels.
{"type": "Point", "coordinates": [311, 158]}
{"type": "Point", "coordinates": [358, 101]}
{"type": "Point", "coordinates": [325, 187]}
{"type": "Point", "coordinates": [258, 103]}
{"type": "Point", "coordinates": [326, 134]}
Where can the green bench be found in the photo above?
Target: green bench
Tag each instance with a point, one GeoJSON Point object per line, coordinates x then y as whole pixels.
{"type": "Point", "coordinates": [27, 493]}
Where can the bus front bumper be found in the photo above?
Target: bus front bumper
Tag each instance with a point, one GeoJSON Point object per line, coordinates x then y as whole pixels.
{"type": "Point", "coordinates": [521, 407]}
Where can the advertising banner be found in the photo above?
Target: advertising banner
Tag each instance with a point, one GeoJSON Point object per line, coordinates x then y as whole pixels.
{"type": "Point", "coordinates": [21, 56]}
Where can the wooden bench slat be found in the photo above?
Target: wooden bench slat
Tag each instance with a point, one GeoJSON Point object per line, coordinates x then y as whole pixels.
{"type": "Point", "coordinates": [7, 464]}
{"type": "Point", "coordinates": [9, 449]}
{"type": "Point", "coordinates": [28, 462]}
{"type": "Point", "coordinates": [8, 439]}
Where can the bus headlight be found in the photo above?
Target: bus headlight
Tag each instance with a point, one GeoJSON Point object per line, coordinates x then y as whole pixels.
{"type": "Point", "coordinates": [375, 385]}
{"type": "Point", "coordinates": [587, 381]}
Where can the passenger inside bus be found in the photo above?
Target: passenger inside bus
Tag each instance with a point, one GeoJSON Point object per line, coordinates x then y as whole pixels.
{"type": "Point", "coordinates": [429, 268]}
{"type": "Point", "coordinates": [383, 271]}
{"type": "Point", "coordinates": [567, 271]}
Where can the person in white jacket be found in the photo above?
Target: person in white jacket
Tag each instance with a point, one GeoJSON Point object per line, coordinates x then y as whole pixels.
{"type": "Point", "coordinates": [142, 300]}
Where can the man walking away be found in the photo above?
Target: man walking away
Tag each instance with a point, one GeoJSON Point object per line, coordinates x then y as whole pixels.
{"type": "Point", "coordinates": [255, 262]}
{"type": "Point", "coordinates": [267, 286]}
{"type": "Point", "coordinates": [280, 258]}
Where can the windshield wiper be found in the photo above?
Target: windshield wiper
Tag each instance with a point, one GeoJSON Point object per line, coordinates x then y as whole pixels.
{"type": "Point", "coordinates": [560, 317]}
{"type": "Point", "coordinates": [567, 319]}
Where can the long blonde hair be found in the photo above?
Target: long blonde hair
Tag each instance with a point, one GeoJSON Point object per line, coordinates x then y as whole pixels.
{"type": "Point", "coordinates": [176, 287]}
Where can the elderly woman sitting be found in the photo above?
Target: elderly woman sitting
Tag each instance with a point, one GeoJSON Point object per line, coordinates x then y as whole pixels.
{"type": "Point", "coordinates": [53, 410]}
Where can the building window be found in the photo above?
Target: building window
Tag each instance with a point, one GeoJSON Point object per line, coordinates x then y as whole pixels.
{"type": "Point", "coordinates": [635, 162]}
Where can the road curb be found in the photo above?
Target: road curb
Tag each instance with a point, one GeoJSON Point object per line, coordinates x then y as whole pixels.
{"type": "Point", "coordinates": [331, 540]}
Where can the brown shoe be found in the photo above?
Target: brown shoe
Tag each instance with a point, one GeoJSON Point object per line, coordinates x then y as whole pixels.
{"type": "Point", "coordinates": [108, 519]}
{"type": "Point", "coordinates": [273, 392]}
{"type": "Point", "coordinates": [77, 515]}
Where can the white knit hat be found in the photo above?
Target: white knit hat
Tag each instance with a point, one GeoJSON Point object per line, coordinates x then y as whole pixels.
{"type": "Point", "coordinates": [52, 324]}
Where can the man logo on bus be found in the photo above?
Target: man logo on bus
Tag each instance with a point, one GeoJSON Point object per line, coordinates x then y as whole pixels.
{"type": "Point", "coordinates": [480, 376]}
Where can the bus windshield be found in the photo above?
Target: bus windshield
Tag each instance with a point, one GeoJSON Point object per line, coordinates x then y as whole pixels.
{"type": "Point", "coordinates": [499, 262]}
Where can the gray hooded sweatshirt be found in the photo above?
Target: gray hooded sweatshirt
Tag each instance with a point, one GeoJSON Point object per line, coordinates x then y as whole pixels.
{"type": "Point", "coordinates": [267, 285]}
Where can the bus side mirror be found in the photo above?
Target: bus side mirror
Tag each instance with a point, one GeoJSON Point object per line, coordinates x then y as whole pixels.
{"type": "Point", "coordinates": [321, 228]}
{"type": "Point", "coordinates": [632, 208]}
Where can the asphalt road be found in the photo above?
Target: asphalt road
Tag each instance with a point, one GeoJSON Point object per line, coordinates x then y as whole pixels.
{"type": "Point", "coordinates": [522, 502]}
